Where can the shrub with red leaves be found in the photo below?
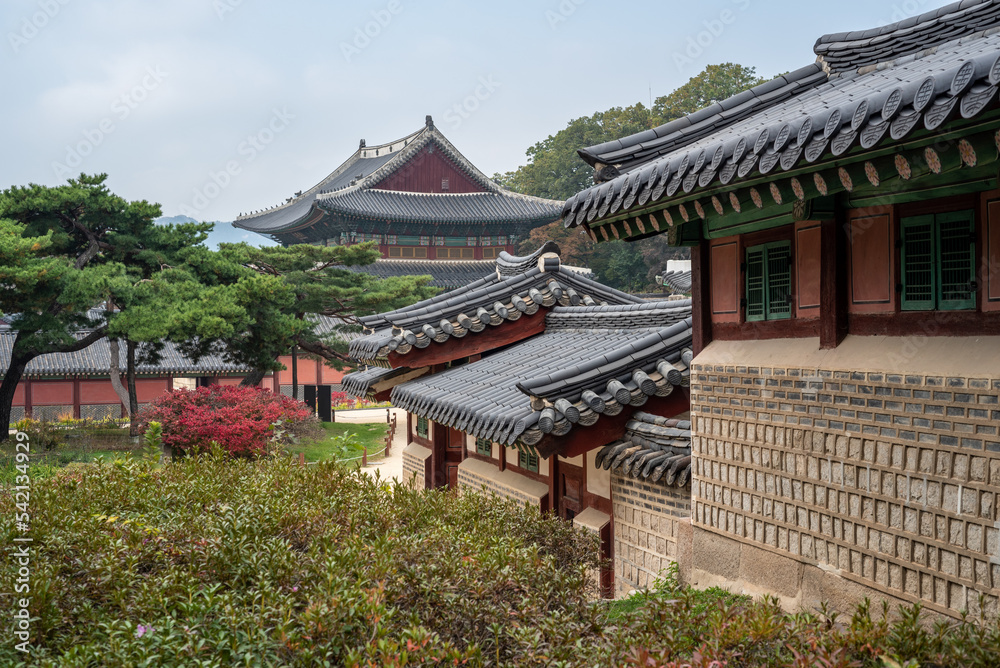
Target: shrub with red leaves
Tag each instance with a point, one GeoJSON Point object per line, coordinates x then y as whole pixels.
{"type": "Point", "coordinates": [244, 421]}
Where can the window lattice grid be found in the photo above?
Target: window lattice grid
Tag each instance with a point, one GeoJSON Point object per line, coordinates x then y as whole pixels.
{"type": "Point", "coordinates": [956, 260]}
{"type": "Point", "coordinates": [779, 282]}
{"type": "Point", "coordinates": [918, 243]}
{"type": "Point", "coordinates": [755, 284]}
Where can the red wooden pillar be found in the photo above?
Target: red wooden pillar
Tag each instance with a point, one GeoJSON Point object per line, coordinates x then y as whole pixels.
{"type": "Point", "coordinates": [439, 454]}
{"type": "Point", "coordinates": [833, 280]}
{"type": "Point", "coordinates": [701, 306]}
{"type": "Point", "coordinates": [28, 408]}
{"type": "Point", "coordinates": [76, 397]}
{"type": "Point", "coordinates": [554, 483]}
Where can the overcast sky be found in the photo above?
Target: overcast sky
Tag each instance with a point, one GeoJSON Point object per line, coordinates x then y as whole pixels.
{"type": "Point", "coordinates": [165, 96]}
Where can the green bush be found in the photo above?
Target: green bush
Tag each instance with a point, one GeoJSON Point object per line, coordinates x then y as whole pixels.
{"type": "Point", "coordinates": [43, 436]}
{"type": "Point", "coordinates": [269, 563]}
{"type": "Point", "coordinates": [216, 562]}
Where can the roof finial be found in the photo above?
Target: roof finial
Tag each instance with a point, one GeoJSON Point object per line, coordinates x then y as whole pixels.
{"type": "Point", "coordinates": [430, 122]}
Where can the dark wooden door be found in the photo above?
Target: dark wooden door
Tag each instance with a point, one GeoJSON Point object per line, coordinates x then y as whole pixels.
{"type": "Point", "coordinates": [324, 403]}
{"type": "Point", "coordinates": [570, 490]}
{"type": "Point", "coordinates": [454, 455]}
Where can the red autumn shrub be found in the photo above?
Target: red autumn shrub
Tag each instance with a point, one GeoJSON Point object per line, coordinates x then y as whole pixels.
{"type": "Point", "coordinates": [245, 421]}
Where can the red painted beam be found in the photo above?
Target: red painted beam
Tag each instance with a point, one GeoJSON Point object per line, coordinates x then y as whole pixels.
{"type": "Point", "coordinates": [833, 282]}
{"type": "Point", "coordinates": [610, 429]}
{"type": "Point", "coordinates": [701, 305]}
{"type": "Point", "coordinates": [472, 343]}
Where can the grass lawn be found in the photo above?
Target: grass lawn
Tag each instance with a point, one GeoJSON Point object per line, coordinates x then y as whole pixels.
{"type": "Point", "coordinates": [338, 443]}
{"type": "Point", "coordinates": [700, 600]}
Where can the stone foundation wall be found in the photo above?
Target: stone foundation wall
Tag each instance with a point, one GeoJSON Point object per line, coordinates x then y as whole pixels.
{"type": "Point", "coordinates": [415, 458]}
{"type": "Point", "coordinates": [646, 517]}
{"type": "Point", "coordinates": [482, 476]}
{"type": "Point", "coordinates": [885, 482]}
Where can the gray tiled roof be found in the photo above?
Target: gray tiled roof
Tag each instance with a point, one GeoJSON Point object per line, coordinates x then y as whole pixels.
{"type": "Point", "coordinates": [678, 281]}
{"type": "Point", "coordinates": [653, 448]}
{"type": "Point", "coordinates": [361, 383]}
{"type": "Point", "coordinates": [392, 206]}
{"type": "Point", "coordinates": [590, 361]}
{"type": "Point", "coordinates": [845, 51]}
{"type": "Point", "coordinates": [350, 192]}
{"type": "Point", "coordinates": [805, 116]}
{"type": "Point", "coordinates": [488, 302]}
{"type": "Point", "coordinates": [358, 165]}
{"type": "Point", "coordinates": [642, 147]}
{"type": "Point", "coordinates": [95, 360]}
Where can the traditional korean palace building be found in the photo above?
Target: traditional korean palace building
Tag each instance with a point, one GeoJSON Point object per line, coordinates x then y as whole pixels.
{"type": "Point", "coordinates": [78, 384]}
{"type": "Point", "coordinates": [543, 385]}
{"type": "Point", "coordinates": [844, 222]}
{"type": "Point", "coordinates": [417, 197]}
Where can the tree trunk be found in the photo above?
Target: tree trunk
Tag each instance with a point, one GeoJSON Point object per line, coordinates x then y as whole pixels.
{"type": "Point", "coordinates": [133, 398]}
{"type": "Point", "coordinates": [7, 390]}
{"type": "Point", "coordinates": [254, 378]}
{"type": "Point", "coordinates": [19, 359]}
{"type": "Point", "coordinates": [295, 372]}
{"type": "Point", "coordinates": [116, 376]}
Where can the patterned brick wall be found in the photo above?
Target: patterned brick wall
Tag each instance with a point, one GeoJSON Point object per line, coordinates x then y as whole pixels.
{"type": "Point", "coordinates": [645, 529]}
{"type": "Point", "coordinates": [890, 480]}
{"type": "Point", "coordinates": [415, 457]}
{"type": "Point", "coordinates": [481, 476]}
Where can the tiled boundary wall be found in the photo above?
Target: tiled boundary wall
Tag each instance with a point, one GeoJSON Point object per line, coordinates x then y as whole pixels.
{"type": "Point", "coordinates": [646, 520]}
{"type": "Point", "coordinates": [840, 480]}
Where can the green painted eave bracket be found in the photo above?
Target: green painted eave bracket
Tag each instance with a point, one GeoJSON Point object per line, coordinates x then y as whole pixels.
{"type": "Point", "coordinates": [968, 180]}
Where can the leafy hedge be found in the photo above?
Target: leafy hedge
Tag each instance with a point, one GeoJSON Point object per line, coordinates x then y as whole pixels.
{"type": "Point", "coordinates": [244, 421]}
{"type": "Point", "coordinates": [240, 562]}
{"type": "Point", "coordinates": [215, 562]}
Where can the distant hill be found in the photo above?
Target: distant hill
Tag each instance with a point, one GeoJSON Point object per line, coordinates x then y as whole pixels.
{"type": "Point", "coordinates": [223, 233]}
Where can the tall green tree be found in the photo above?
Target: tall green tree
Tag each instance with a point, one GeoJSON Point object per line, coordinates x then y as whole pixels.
{"type": "Point", "coordinates": [63, 243]}
{"type": "Point", "coordinates": [713, 84]}
{"type": "Point", "coordinates": [320, 286]}
{"type": "Point", "coordinates": [146, 250]}
{"type": "Point", "coordinates": [554, 170]}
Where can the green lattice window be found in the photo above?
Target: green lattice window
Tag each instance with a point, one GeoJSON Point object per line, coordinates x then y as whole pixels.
{"type": "Point", "coordinates": [938, 262]}
{"type": "Point", "coordinates": [422, 427]}
{"type": "Point", "coordinates": [769, 281]}
{"type": "Point", "coordinates": [528, 461]}
{"type": "Point", "coordinates": [484, 447]}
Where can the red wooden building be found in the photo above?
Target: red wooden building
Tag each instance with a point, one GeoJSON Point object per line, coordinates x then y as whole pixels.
{"type": "Point", "coordinates": [844, 221]}
{"type": "Point", "coordinates": [547, 387]}
{"type": "Point", "coordinates": [78, 384]}
{"type": "Point", "coordinates": [418, 197]}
